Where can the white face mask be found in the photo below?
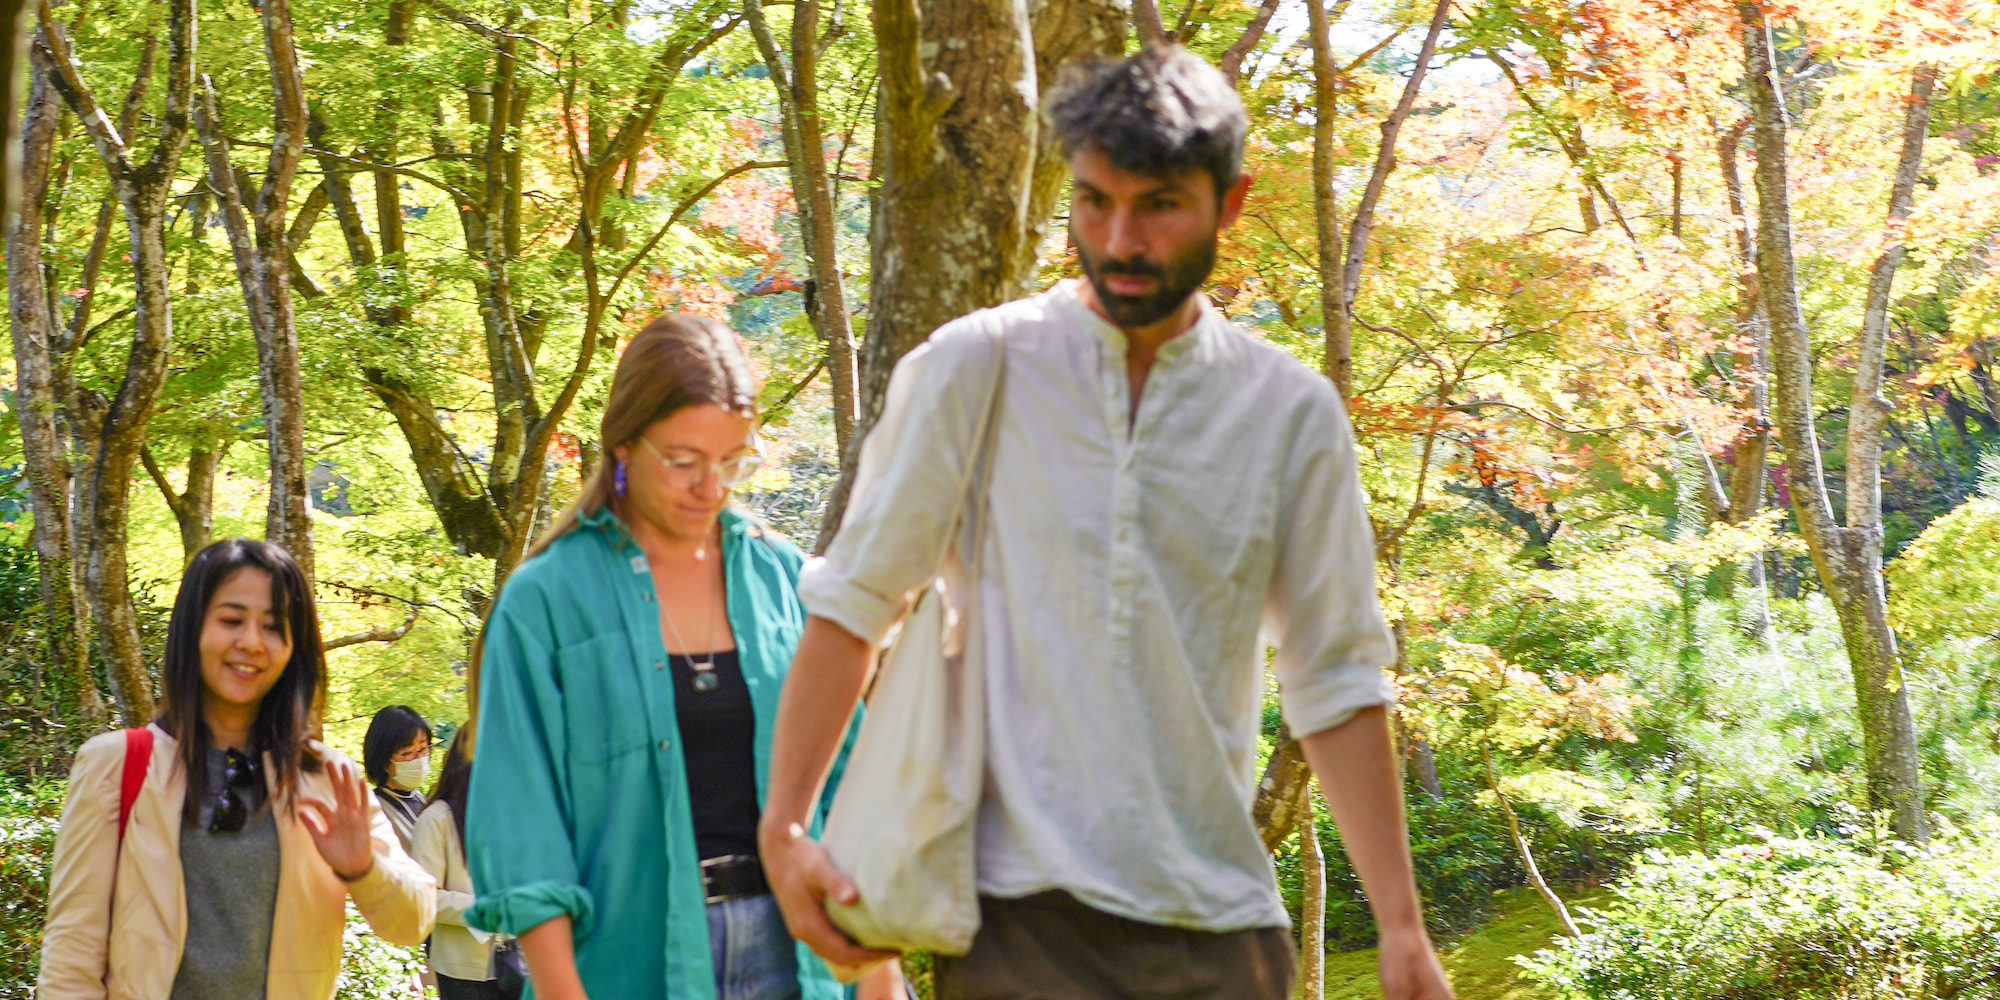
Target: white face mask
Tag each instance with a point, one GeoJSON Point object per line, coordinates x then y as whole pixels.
{"type": "Point", "coordinates": [409, 775]}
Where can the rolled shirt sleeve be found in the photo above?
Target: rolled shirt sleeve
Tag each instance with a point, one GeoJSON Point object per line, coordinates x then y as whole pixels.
{"type": "Point", "coordinates": [906, 489]}
{"type": "Point", "coordinates": [518, 846]}
{"type": "Point", "coordinates": [1322, 610]}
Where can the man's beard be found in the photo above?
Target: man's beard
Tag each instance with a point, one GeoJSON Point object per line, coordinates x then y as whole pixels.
{"type": "Point", "coordinates": [1175, 281]}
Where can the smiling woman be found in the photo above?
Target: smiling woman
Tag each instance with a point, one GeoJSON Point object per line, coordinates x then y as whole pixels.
{"type": "Point", "coordinates": [211, 854]}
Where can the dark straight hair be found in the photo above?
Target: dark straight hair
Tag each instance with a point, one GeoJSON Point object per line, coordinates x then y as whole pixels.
{"type": "Point", "coordinates": [284, 721]}
{"type": "Point", "coordinates": [389, 731]}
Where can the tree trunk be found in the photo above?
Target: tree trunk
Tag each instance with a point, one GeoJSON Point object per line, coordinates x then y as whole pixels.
{"type": "Point", "coordinates": [1231, 63]}
{"type": "Point", "coordinates": [259, 241]}
{"type": "Point", "coordinates": [1276, 810]}
{"type": "Point", "coordinates": [464, 508]}
{"type": "Point", "coordinates": [1340, 283]}
{"type": "Point", "coordinates": [1526, 853]}
{"type": "Point", "coordinates": [143, 189]}
{"type": "Point", "coordinates": [193, 506]}
{"type": "Point", "coordinates": [1339, 361]}
{"type": "Point", "coordinates": [1340, 307]}
{"type": "Point", "coordinates": [797, 87]}
{"type": "Point", "coordinates": [37, 408]}
{"type": "Point", "coordinates": [967, 174]}
{"type": "Point", "coordinates": [1746, 479]}
{"type": "Point", "coordinates": [1312, 901]}
{"type": "Point", "coordinates": [13, 60]}
{"type": "Point", "coordinates": [1849, 559]}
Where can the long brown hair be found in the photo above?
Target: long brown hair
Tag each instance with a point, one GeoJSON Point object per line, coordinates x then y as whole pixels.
{"type": "Point", "coordinates": [679, 360]}
{"type": "Point", "coordinates": [285, 720]}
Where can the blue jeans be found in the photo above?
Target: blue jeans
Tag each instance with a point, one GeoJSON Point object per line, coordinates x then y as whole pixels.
{"type": "Point", "coordinates": [755, 957]}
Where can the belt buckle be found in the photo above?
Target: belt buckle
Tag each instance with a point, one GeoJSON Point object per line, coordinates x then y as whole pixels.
{"type": "Point", "coordinates": [708, 865]}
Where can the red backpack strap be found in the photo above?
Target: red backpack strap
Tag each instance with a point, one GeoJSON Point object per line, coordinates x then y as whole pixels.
{"type": "Point", "coordinates": [138, 758]}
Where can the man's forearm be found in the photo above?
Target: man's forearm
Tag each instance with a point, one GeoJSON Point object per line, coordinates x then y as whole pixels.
{"type": "Point", "coordinates": [826, 677]}
{"type": "Point", "coordinates": [1356, 765]}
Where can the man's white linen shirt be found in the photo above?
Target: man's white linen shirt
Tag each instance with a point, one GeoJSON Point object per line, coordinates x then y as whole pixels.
{"type": "Point", "coordinates": [1132, 567]}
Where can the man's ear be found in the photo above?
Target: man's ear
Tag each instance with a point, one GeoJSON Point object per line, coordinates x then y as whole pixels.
{"type": "Point", "coordinates": [1232, 202]}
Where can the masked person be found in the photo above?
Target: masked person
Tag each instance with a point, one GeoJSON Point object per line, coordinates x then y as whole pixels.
{"type": "Point", "coordinates": [220, 868]}
{"type": "Point", "coordinates": [1167, 491]}
{"type": "Point", "coordinates": [397, 756]}
{"type": "Point", "coordinates": [627, 688]}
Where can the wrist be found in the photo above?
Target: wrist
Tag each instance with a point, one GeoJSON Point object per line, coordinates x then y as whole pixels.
{"type": "Point", "coordinates": [357, 876]}
{"type": "Point", "coordinates": [1410, 929]}
{"type": "Point", "coordinates": [776, 833]}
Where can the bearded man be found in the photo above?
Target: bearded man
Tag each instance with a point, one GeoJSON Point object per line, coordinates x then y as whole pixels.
{"type": "Point", "coordinates": [1167, 494]}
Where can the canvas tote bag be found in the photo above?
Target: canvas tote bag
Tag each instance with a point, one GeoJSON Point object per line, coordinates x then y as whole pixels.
{"type": "Point", "coordinates": [902, 822]}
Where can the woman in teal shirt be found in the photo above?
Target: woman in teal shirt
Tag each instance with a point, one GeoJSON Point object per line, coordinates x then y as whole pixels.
{"type": "Point", "coordinates": [626, 690]}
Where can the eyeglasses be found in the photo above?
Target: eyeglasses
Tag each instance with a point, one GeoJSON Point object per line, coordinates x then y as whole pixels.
{"type": "Point", "coordinates": [685, 472]}
{"type": "Point", "coordinates": [404, 756]}
{"type": "Point", "coordinates": [230, 812]}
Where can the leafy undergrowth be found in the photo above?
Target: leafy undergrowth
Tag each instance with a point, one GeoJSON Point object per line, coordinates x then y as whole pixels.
{"type": "Point", "coordinates": [1481, 964]}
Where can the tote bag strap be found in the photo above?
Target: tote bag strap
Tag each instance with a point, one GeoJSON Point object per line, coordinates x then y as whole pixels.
{"type": "Point", "coordinates": [986, 438]}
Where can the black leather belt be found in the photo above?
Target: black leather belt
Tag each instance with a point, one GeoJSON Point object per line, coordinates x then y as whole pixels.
{"type": "Point", "coordinates": [732, 876]}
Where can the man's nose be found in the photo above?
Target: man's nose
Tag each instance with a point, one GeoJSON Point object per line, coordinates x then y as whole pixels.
{"type": "Point", "coordinates": [1125, 240]}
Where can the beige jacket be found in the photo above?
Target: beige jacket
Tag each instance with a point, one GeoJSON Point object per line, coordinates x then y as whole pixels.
{"type": "Point", "coordinates": [118, 919]}
{"type": "Point", "coordinates": [457, 950]}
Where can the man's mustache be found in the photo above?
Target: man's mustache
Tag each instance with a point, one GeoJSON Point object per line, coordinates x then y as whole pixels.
{"type": "Point", "coordinates": [1137, 267]}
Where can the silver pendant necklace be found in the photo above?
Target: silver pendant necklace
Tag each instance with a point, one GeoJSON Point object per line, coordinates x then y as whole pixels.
{"type": "Point", "coordinates": [703, 679]}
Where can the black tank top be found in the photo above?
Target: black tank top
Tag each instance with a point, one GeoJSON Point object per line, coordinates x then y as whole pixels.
{"type": "Point", "coordinates": [718, 729]}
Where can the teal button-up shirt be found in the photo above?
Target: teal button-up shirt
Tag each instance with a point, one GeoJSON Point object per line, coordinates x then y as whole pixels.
{"type": "Point", "coordinates": [579, 800]}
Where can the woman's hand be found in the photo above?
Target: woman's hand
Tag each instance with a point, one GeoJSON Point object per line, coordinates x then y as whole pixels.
{"type": "Point", "coordinates": [340, 831]}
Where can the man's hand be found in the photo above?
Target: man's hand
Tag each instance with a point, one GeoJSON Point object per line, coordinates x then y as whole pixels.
{"type": "Point", "coordinates": [803, 877]}
{"type": "Point", "coordinates": [1408, 966]}
{"type": "Point", "coordinates": [1356, 765]}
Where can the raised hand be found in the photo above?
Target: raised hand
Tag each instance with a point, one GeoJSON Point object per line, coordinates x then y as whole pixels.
{"type": "Point", "coordinates": [340, 830]}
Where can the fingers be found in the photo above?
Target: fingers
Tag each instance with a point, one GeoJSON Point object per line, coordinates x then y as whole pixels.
{"type": "Point", "coordinates": [349, 791]}
{"type": "Point", "coordinates": [803, 877]}
{"type": "Point", "coordinates": [313, 813]}
{"type": "Point", "coordinates": [826, 881]}
{"type": "Point", "coordinates": [817, 931]}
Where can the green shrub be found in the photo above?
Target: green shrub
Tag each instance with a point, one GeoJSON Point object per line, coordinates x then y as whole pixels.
{"type": "Point", "coordinates": [374, 969]}
{"type": "Point", "coordinates": [1462, 854]}
{"type": "Point", "coordinates": [27, 846]}
{"type": "Point", "coordinates": [1787, 919]}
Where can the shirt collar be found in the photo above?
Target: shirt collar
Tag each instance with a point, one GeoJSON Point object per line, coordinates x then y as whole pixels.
{"type": "Point", "coordinates": [1068, 296]}
{"type": "Point", "coordinates": [734, 522]}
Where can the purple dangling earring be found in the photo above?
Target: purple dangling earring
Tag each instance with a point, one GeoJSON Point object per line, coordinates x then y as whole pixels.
{"type": "Point", "coordinates": [618, 476]}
